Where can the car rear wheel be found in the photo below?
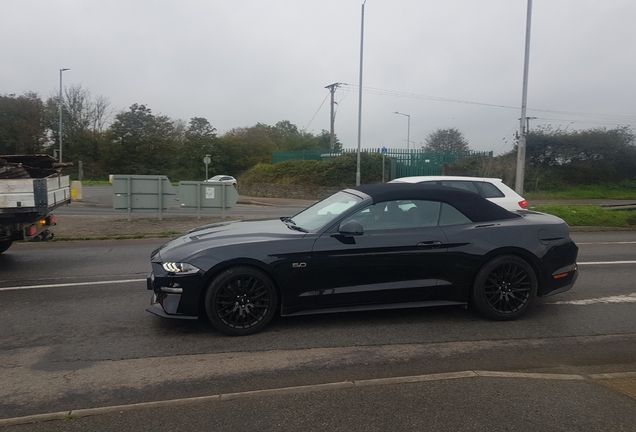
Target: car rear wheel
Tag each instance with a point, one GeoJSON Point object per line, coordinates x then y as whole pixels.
{"type": "Point", "coordinates": [504, 288]}
{"type": "Point", "coordinates": [5, 244]}
{"type": "Point", "coordinates": [241, 301]}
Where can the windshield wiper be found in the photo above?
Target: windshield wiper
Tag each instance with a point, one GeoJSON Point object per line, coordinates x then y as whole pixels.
{"type": "Point", "coordinates": [291, 224]}
{"type": "Point", "coordinates": [297, 228]}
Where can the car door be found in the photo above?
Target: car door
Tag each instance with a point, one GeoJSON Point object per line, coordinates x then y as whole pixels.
{"type": "Point", "coordinates": [397, 258]}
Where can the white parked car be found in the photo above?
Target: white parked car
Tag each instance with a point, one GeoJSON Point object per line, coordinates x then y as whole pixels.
{"type": "Point", "coordinates": [223, 179]}
{"type": "Point", "coordinates": [493, 189]}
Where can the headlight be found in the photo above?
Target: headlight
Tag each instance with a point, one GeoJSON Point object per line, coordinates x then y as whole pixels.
{"type": "Point", "coordinates": [179, 268]}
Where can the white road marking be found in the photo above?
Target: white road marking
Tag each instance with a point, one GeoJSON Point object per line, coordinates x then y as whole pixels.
{"type": "Point", "coordinates": [14, 288]}
{"type": "Point", "coordinates": [607, 243]}
{"type": "Point", "coordinates": [71, 284]}
{"type": "Point", "coordinates": [627, 298]}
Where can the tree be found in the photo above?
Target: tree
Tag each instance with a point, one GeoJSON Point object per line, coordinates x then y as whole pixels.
{"type": "Point", "coordinates": [549, 147]}
{"type": "Point", "coordinates": [580, 157]}
{"type": "Point", "coordinates": [143, 143]}
{"type": "Point", "coordinates": [289, 138]}
{"type": "Point", "coordinates": [242, 148]}
{"type": "Point", "coordinates": [84, 120]}
{"type": "Point", "coordinates": [199, 140]}
{"type": "Point", "coordinates": [22, 126]}
{"type": "Point", "coordinates": [324, 141]}
{"type": "Point", "coordinates": [448, 140]}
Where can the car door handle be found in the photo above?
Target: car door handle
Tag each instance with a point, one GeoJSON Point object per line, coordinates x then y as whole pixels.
{"type": "Point", "coordinates": [433, 244]}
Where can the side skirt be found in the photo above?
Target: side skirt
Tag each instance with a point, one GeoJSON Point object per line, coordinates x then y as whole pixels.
{"type": "Point", "coordinates": [377, 307]}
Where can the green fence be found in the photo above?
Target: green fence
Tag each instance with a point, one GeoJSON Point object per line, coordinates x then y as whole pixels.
{"type": "Point", "coordinates": [403, 163]}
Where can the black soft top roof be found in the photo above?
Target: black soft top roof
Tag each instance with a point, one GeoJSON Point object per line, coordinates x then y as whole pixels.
{"type": "Point", "coordinates": [475, 207]}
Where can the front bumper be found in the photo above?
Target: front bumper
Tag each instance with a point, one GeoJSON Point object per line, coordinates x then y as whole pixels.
{"type": "Point", "coordinates": [157, 307]}
{"type": "Point", "coordinates": [183, 305]}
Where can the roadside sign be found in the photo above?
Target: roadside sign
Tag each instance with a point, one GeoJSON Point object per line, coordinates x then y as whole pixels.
{"type": "Point", "coordinates": [206, 161]}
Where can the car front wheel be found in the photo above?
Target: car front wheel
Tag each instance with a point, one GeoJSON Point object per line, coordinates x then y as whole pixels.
{"type": "Point", "coordinates": [504, 288]}
{"type": "Point", "coordinates": [241, 301]}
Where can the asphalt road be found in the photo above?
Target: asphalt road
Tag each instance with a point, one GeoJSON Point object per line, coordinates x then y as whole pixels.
{"type": "Point", "coordinates": [74, 335]}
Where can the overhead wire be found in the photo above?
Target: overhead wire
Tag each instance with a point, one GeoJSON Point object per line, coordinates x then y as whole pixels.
{"type": "Point", "coordinates": [504, 140]}
{"type": "Point", "coordinates": [316, 113]}
{"type": "Point", "coordinates": [621, 119]}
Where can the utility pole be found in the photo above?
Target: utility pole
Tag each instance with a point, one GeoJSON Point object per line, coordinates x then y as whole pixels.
{"type": "Point", "coordinates": [332, 88]}
{"type": "Point", "coordinates": [60, 108]}
{"type": "Point", "coordinates": [528, 123]}
{"type": "Point", "coordinates": [360, 96]}
{"type": "Point", "coordinates": [521, 148]}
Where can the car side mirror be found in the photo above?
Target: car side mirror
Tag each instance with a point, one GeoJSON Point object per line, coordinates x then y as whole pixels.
{"type": "Point", "coordinates": [351, 228]}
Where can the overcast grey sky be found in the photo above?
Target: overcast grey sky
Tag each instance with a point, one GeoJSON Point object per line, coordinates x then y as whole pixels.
{"type": "Point", "coordinates": [239, 62]}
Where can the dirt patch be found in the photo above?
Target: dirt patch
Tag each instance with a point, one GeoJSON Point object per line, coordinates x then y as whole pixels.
{"type": "Point", "coordinates": [75, 227]}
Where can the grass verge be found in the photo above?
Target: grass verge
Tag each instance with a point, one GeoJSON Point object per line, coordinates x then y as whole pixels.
{"type": "Point", "coordinates": [166, 234]}
{"type": "Point", "coordinates": [589, 215]}
{"type": "Point", "coordinates": [623, 190]}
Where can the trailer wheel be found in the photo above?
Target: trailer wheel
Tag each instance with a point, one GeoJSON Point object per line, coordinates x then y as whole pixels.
{"type": "Point", "coordinates": [5, 244]}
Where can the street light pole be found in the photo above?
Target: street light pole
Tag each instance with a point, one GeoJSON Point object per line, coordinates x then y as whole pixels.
{"type": "Point", "coordinates": [408, 130]}
{"type": "Point", "coordinates": [61, 70]}
{"type": "Point", "coordinates": [360, 96]}
{"type": "Point", "coordinates": [521, 148]}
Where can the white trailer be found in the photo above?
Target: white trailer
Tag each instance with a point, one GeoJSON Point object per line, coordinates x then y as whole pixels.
{"type": "Point", "coordinates": [26, 205]}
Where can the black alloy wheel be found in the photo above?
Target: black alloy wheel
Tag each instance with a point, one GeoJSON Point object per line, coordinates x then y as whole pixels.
{"type": "Point", "coordinates": [504, 288]}
{"type": "Point", "coordinates": [241, 301]}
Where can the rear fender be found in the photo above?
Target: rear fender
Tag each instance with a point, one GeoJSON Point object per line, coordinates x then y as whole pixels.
{"type": "Point", "coordinates": [521, 253]}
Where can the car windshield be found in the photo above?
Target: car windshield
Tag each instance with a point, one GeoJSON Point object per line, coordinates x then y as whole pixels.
{"type": "Point", "coordinates": [324, 212]}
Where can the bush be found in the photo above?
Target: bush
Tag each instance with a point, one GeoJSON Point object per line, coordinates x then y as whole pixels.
{"type": "Point", "coordinates": [337, 172]}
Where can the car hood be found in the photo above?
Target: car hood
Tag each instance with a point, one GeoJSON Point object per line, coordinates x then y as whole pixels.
{"type": "Point", "coordinates": [223, 234]}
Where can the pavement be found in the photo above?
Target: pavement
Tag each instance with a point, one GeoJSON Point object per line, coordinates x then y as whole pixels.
{"type": "Point", "coordinates": [489, 401]}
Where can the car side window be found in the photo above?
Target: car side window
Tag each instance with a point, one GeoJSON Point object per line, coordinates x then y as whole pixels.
{"type": "Point", "coordinates": [451, 216]}
{"type": "Point", "coordinates": [376, 216]}
{"type": "Point", "coordinates": [462, 185]}
{"type": "Point", "coordinates": [489, 190]}
{"type": "Point", "coordinates": [400, 214]}
{"type": "Point", "coordinates": [372, 218]}
{"type": "Point", "coordinates": [423, 214]}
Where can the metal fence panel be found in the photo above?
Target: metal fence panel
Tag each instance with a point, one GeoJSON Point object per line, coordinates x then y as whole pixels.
{"type": "Point", "coordinates": [142, 194]}
{"type": "Point", "coordinates": [207, 195]}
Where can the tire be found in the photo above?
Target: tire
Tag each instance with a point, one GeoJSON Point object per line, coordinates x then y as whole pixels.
{"type": "Point", "coordinates": [241, 301]}
{"type": "Point", "coordinates": [5, 244]}
{"type": "Point", "coordinates": [504, 288]}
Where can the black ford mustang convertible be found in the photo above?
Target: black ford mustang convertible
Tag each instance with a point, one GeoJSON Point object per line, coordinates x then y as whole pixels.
{"type": "Point", "coordinates": [370, 247]}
